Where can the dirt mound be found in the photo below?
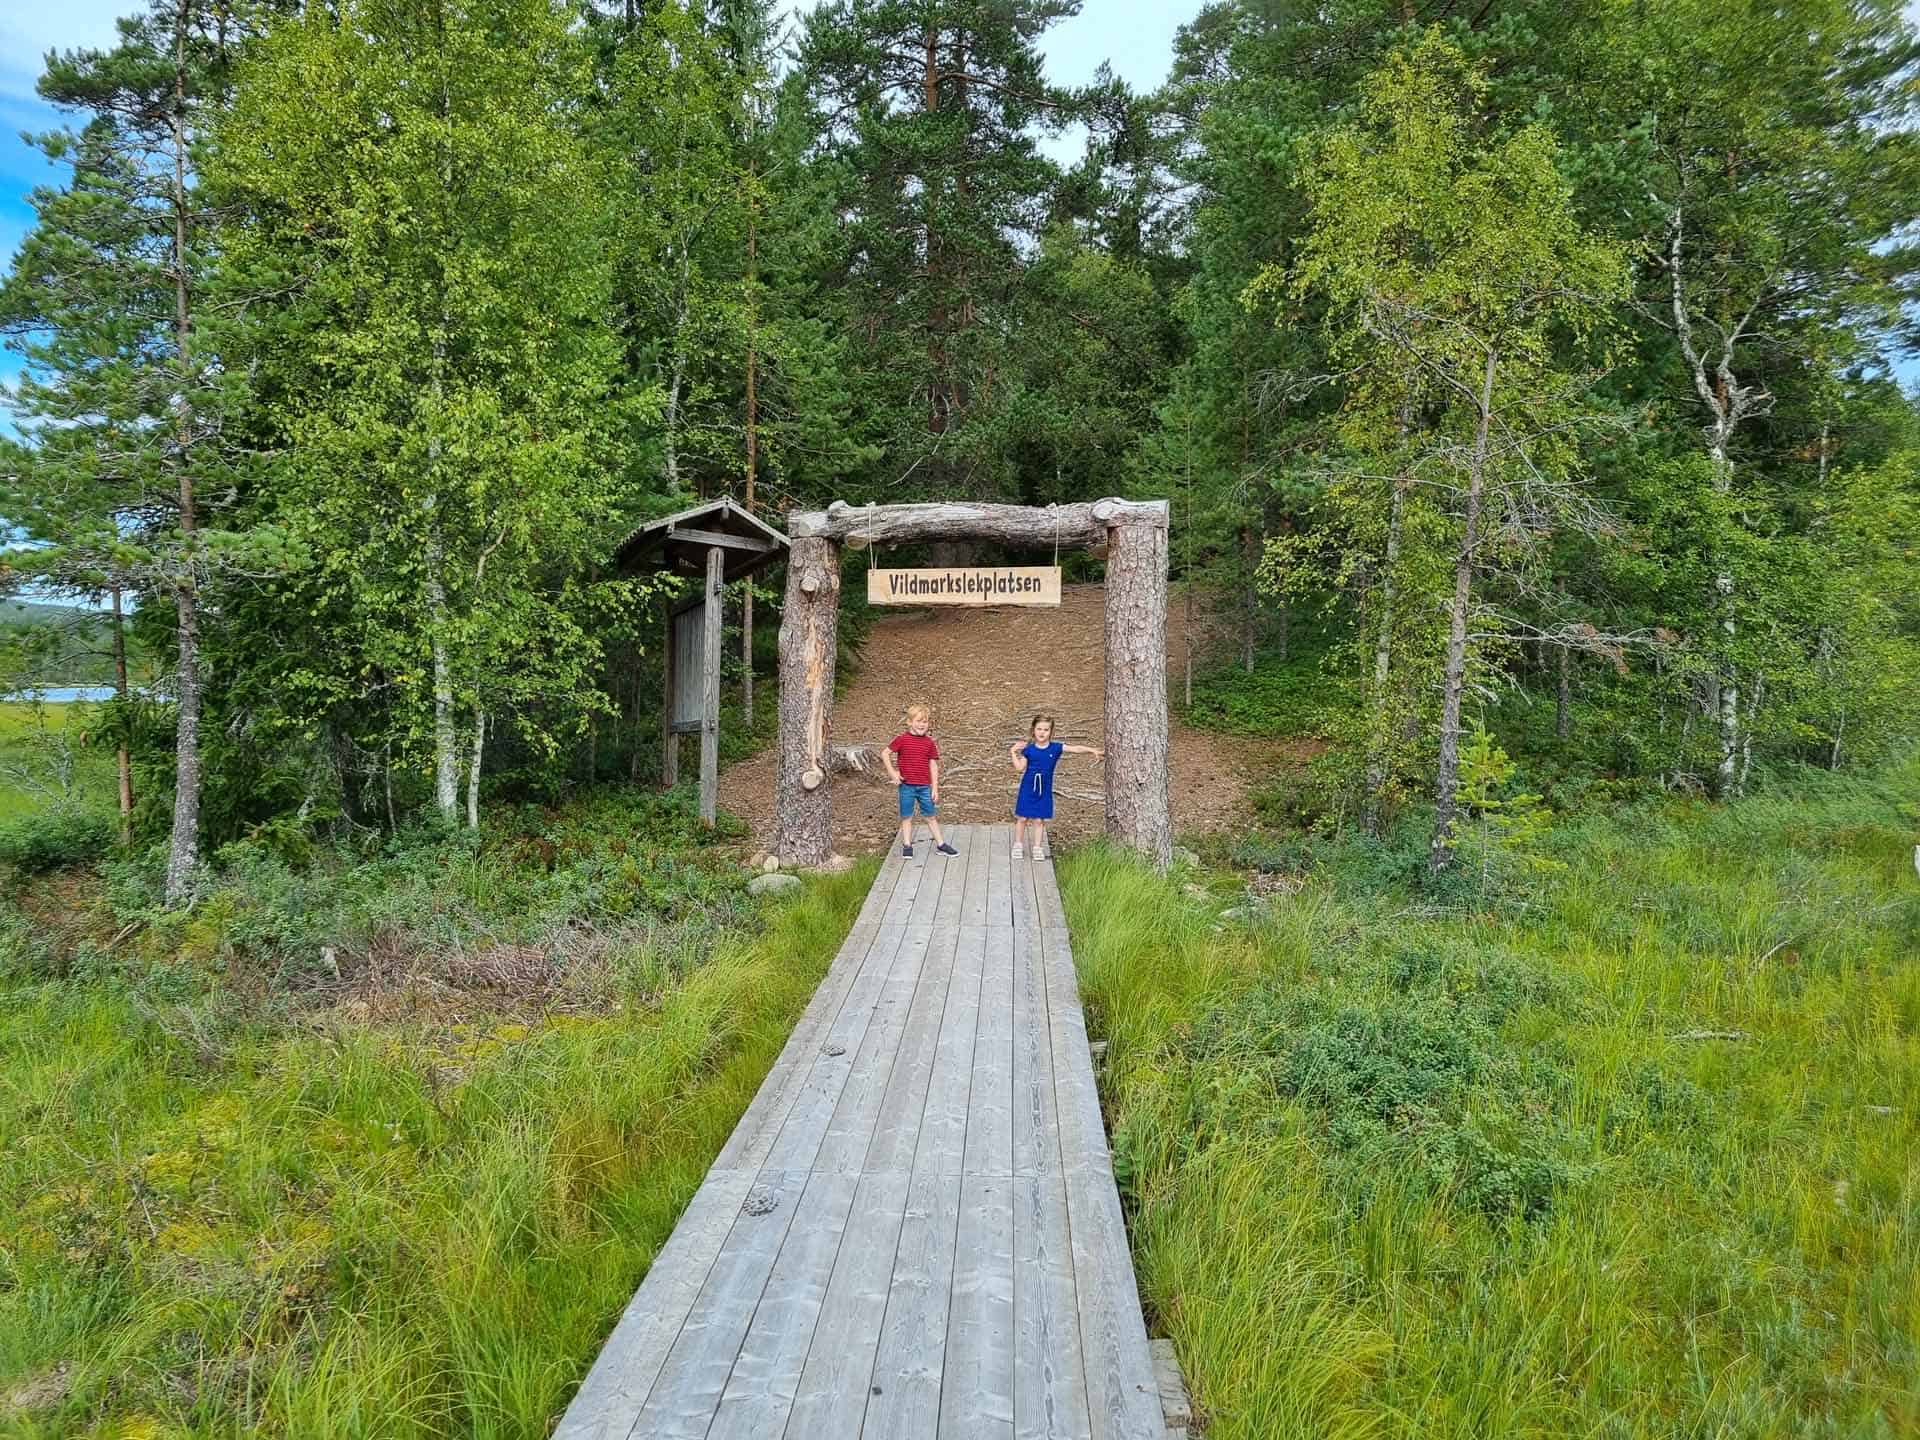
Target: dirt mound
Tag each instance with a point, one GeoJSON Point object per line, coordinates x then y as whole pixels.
{"type": "Point", "coordinates": [986, 673]}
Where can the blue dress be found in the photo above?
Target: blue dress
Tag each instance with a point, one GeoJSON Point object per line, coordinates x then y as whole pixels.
{"type": "Point", "coordinates": [1036, 786]}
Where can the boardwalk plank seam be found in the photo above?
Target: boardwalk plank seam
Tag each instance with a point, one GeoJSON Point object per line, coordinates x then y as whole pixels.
{"type": "Point", "coordinates": [944, 1256]}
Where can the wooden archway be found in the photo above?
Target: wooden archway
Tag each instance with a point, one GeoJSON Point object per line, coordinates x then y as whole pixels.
{"type": "Point", "coordinates": [1132, 535]}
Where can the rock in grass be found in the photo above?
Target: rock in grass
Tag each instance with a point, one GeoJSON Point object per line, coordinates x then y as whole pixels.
{"type": "Point", "coordinates": [832, 865]}
{"type": "Point", "coordinates": [773, 883]}
{"type": "Point", "coordinates": [771, 864]}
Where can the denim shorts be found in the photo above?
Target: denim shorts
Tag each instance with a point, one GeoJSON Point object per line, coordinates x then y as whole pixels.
{"type": "Point", "coordinates": [923, 794]}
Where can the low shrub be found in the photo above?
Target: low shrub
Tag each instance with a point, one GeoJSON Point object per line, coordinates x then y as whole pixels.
{"type": "Point", "coordinates": [53, 839]}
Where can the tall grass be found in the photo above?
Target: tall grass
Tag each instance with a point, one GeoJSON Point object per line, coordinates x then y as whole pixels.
{"type": "Point", "coordinates": [343, 1229]}
{"type": "Point", "coordinates": [1630, 1150]}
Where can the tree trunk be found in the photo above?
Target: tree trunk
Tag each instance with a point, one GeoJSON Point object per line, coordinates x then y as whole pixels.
{"type": "Point", "coordinates": [1447, 782]}
{"type": "Point", "coordinates": [712, 614]}
{"type": "Point", "coordinates": [123, 759]}
{"type": "Point", "coordinates": [753, 446]}
{"type": "Point", "coordinates": [1139, 810]}
{"type": "Point", "coordinates": [1249, 552]}
{"type": "Point", "coordinates": [809, 639]}
{"type": "Point", "coordinates": [677, 374]}
{"type": "Point", "coordinates": [446, 760]}
{"type": "Point", "coordinates": [1186, 603]}
{"type": "Point", "coordinates": [473, 774]}
{"type": "Point", "coordinates": [1379, 764]}
{"type": "Point", "coordinates": [1563, 696]}
{"type": "Point", "coordinates": [184, 843]}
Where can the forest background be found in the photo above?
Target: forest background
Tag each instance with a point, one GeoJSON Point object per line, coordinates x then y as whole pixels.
{"type": "Point", "coordinates": [1525, 379]}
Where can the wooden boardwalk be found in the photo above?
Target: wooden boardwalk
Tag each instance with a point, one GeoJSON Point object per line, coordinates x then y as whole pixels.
{"type": "Point", "coordinates": [914, 1230]}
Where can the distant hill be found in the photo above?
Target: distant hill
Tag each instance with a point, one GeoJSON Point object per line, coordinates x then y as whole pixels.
{"type": "Point", "coordinates": [41, 644]}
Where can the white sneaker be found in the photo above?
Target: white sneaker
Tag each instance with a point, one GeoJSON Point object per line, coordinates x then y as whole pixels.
{"type": "Point", "coordinates": [1017, 851]}
{"type": "Point", "coordinates": [1038, 853]}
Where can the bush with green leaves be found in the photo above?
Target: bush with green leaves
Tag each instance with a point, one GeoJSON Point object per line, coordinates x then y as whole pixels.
{"type": "Point", "coordinates": [53, 839]}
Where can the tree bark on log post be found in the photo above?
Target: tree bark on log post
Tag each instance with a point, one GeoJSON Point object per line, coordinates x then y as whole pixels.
{"type": "Point", "coordinates": [1138, 788]}
{"type": "Point", "coordinates": [711, 616]}
{"type": "Point", "coordinates": [809, 638]}
{"type": "Point", "coordinates": [1083, 525]}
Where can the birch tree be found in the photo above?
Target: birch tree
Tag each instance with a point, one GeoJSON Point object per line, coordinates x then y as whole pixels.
{"type": "Point", "coordinates": [1458, 282]}
{"type": "Point", "coordinates": [441, 236]}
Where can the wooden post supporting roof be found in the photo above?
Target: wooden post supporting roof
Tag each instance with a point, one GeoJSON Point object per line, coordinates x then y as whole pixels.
{"type": "Point", "coordinates": [710, 686]}
{"type": "Point", "coordinates": [716, 543]}
{"type": "Point", "coordinates": [1132, 533]}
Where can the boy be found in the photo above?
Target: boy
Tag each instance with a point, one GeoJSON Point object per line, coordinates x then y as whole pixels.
{"type": "Point", "coordinates": [918, 776]}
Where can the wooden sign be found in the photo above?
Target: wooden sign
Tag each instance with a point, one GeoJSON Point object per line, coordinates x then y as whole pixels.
{"type": "Point", "coordinates": [983, 585]}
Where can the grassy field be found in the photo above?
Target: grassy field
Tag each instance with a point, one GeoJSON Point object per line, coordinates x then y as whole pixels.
{"type": "Point", "coordinates": [1628, 1145]}
{"type": "Point", "coordinates": [368, 1150]}
{"type": "Point", "coordinates": [45, 759]}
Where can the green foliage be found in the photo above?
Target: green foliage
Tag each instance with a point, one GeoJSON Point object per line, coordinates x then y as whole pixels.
{"type": "Point", "coordinates": [1465, 1162]}
{"type": "Point", "coordinates": [420, 1221]}
{"type": "Point", "coordinates": [54, 838]}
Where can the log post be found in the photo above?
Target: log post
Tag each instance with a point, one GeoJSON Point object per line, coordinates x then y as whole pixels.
{"type": "Point", "coordinates": [711, 616]}
{"type": "Point", "coordinates": [1138, 787]}
{"type": "Point", "coordinates": [669, 742]}
{"type": "Point", "coordinates": [809, 636]}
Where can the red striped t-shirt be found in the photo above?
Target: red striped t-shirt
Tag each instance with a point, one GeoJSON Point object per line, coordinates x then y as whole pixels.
{"type": "Point", "coordinates": [914, 752]}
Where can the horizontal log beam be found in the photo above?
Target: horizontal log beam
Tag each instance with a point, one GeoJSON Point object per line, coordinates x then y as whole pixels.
{"type": "Point", "coordinates": [720, 539]}
{"type": "Point", "coordinates": [1083, 524]}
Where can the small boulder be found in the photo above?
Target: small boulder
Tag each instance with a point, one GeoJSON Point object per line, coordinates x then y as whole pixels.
{"type": "Point", "coordinates": [770, 865]}
{"type": "Point", "coordinates": [759, 860]}
{"type": "Point", "coordinates": [773, 883]}
{"type": "Point", "coordinates": [1184, 856]}
{"type": "Point", "coordinates": [832, 865]}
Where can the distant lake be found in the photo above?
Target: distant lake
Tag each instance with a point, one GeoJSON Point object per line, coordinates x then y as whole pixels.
{"type": "Point", "coordinates": [60, 694]}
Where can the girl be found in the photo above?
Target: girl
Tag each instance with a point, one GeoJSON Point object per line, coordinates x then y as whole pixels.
{"type": "Point", "coordinates": [1035, 761]}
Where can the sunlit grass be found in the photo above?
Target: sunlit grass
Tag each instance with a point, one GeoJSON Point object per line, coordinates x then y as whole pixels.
{"type": "Point", "coordinates": [343, 1230]}
{"type": "Point", "coordinates": [1633, 1152]}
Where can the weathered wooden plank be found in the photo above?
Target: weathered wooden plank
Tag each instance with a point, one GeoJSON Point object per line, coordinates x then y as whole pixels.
{"type": "Point", "coordinates": [973, 900]}
{"type": "Point", "coordinates": [976, 1388]}
{"type": "Point", "coordinates": [798, 1144]}
{"type": "Point", "coordinates": [609, 1399]}
{"type": "Point", "coordinates": [1049, 1377]}
{"type": "Point", "coordinates": [923, 868]}
{"type": "Point", "coordinates": [851, 1130]}
{"type": "Point", "coordinates": [835, 1383]}
{"type": "Point", "coordinates": [999, 877]}
{"type": "Point", "coordinates": [710, 687]}
{"type": "Point", "coordinates": [990, 1109]}
{"type": "Point", "coordinates": [904, 1399]}
{"type": "Point", "coordinates": [1036, 1126]}
{"type": "Point", "coordinates": [684, 1398]}
{"type": "Point", "coordinates": [943, 870]}
{"type": "Point", "coordinates": [753, 1137]}
{"type": "Point", "coordinates": [1050, 1388]}
{"type": "Point", "coordinates": [1122, 1395]}
{"type": "Point", "coordinates": [903, 1103]}
{"type": "Point", "coordinates": [953, 890]}
{"type": "Point", "coordinates": [942, 1145]}
{"type": "Point", "coordinates": [765, 1378]}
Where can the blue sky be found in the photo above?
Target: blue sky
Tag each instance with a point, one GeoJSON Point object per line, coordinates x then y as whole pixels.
{"type": "Point", "coordinates": [1135, 35]}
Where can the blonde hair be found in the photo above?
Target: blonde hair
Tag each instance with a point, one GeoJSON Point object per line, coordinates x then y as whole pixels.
{"type": "Point", "coordinates": [919, 707]}
{"type": "Point", "coordinates": [1040, 720]}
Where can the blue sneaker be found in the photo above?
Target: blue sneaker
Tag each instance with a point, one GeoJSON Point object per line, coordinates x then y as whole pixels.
{"type": "Point", "coordinates": [907, 850]}
{"type": "Point", "coordinates": [946, 849]}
